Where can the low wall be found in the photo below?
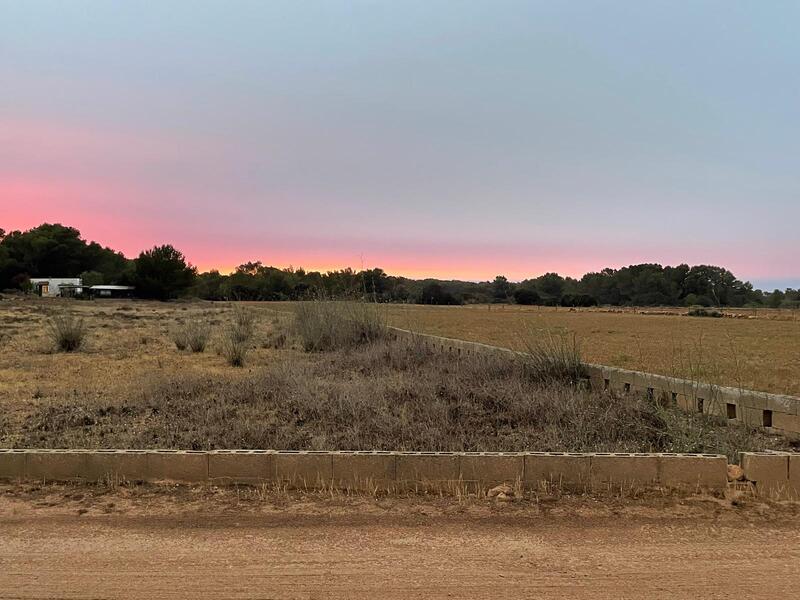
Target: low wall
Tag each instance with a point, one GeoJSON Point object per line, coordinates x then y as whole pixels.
{"type": "Point", "coordinates": [371, 470]}
{"type": "Point", "coordinates": [776, 413]}
{"type": "Point", "coordinates": [774, 474]}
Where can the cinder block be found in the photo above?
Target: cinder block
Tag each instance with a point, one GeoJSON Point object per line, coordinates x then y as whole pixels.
{"type": "Point", "coordinates": [55, 465]}
{"type": "Point", "coordinates": [492, 468]}
{"type": "Point", "coordinates": [130, 465]}
{"type": "Point", "coordinates": [713, 405]}
{"type": "Point", "coordinates": [624, 469]}
{"type": "Point", "coordinates": [427, 467]}
{"type": "Point", "coordinates": [754, 400]}
{"type": "Point", "coordinates": [709, 471]}
{"type": "Point", "coordinates": [304, 469]}
{"type": "Point", "coordinates": [641, 381]}
{"type": "Point", "coordinates": [686, 403]}
{"type": "Point", "coordinates": [571, 470]}
{"type": "Point", "coordinates": [241, 466]}
{"type": "Point", "coordinates": [12, 464]}
{"type": "Point", "coordinates": [769, 472]}
{"type": "Point", "coordinates": [177, 465]}
{"type": "Point", "coordinates": [364, 470]}
{"type": "Point", "coordinates": [783, 404]}
{"type": "Point", "coordinates": [786, 422]}
{"type": "Point", "coordinates": [754, 417]}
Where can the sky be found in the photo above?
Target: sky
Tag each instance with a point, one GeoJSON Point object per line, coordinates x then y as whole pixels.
{"type": "Point", "coordinates": [452, 139]}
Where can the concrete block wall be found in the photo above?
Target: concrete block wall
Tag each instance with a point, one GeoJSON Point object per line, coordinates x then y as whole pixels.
{"type": "Point", "coordinates": [371, 470]}
{"type": "Point", "coordinates": [774, 474]}
{"type": "Point", "coordinates": [776, 413]}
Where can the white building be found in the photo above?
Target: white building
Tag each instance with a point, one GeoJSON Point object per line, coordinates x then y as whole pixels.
{"type": "Point", "coordinates": [50, 287]}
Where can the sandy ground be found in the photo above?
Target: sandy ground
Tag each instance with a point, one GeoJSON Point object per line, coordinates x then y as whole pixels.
{"type": "Point", "coordinates": [67, 542]}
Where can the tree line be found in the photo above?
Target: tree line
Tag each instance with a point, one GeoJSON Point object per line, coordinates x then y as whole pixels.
{"type": "Point", "coordinates": [53, 250]}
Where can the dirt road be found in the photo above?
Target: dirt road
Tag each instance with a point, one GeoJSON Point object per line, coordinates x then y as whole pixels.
{"type": "Point", "coordinates": [62, 542]}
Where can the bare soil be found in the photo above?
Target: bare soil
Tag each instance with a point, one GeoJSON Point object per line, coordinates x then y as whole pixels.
{"type": "Point", "coordinates": [159, 542]}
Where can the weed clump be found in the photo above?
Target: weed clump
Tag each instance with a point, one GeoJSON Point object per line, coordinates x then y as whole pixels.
{"type": "Point", "coordinates": [236, 337]}
{"type": "Point", "coordinates": [552, 358]}
{"type": "Point", "coordinates": [233, 350]}
{"type": "Point", "coordinates": [67, 331]}
{"type": "Point", "coordinates": [243, 324]}
{"type": "Point", "coordinates": [194, 336]}
{"type": "Point", "coordinates": [324, 325]}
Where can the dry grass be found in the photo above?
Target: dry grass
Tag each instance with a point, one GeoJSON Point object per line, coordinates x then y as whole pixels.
{"type": "Point", "coordinates": [757, 351]}
{"type": "Point", "coordinates": [193, 335]}
{"type": "Point", "coordinates": [552, 357]}
{"type": "Point", "coordinates": [382, 395]}
{"type": "Point", "coordinates": [242, 325]}
{"type": "Point", "coordinates": [67, 331]}
{"type": "Point", "coordinates": [130, 388]}
{"type": "Point", "coordinates": [327, 325]}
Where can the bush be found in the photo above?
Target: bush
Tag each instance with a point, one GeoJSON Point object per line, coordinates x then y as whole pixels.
{"type": "Point", "coordinates": [233, 348]}
{"type": "Point", "coordinates": [325, 325]}
{"type": "Point", "coordinates": [705, 312]}
{"type": "Point", "coordinates": [67, 332]}
{"type": "Point", "coordinates": [243, 324]}
{"type": "Point", "coordinates": [178, 337]}
{"type": "Point", "coordinates": [579, 300]}
{"type": "Point", "coordinates": [526, 296]}
{"type": "Point", "coordinates": [552, 358]}
{"type": "Point", "coordinates": [197, 336]}
{"type": "Point", "coordinates": [193, 336]}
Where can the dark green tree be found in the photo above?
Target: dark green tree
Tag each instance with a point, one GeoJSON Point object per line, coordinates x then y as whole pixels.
{"type": "Point", "coordinates": [162, 273]}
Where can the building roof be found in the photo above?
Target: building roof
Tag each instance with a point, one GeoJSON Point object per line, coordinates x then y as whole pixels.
{"type": "Point", "coordinates": [112, 287]}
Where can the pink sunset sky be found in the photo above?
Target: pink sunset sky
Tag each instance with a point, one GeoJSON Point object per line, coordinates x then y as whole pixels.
{"type": "Point", "coordinates": [429, 142]}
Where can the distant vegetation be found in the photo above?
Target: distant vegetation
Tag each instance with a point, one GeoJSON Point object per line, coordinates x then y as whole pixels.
{"type": "Point", "coordinates": [163, 273]}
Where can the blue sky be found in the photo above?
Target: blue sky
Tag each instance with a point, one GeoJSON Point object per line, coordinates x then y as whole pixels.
{"type": "Point", "coordinates": [455, 139]}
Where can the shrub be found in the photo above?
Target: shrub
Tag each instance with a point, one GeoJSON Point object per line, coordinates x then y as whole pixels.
{"type": "Point", "coordinates": [526, 296]}
{"type": "Point", "coordinates": [705, 312]}
{"type": "Point", "coordinates": [324, 325]}
{"type": "Point", "coordinates": [178, 337]}
{"type": "Point", "coordinates": [193, 335]}
{"type": "Point", "coordinates": [243, 324]}
{"type": "Point", "coordinates": [197, 335]}
{"type": "Point", "coordinates": [233, 349]}
{"type": "Point", "coordinates": [67, 332]}
{"type": "Point", "coordinates": [552, 358]}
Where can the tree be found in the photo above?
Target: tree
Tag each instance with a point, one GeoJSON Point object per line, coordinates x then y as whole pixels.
{"type": "Point", "coordinates": [162, 273]}
{"type": "Point", "coordinates": [90, 278]}
{"type": "Point", "coordinates": [434, 293]}
{"type": "Point", "coordinates": [550, 285]}
{"type": "Point", "coordinates": [53, 250]}
{"type": "Point", "coordinates": [501, 289]}
{"type": "Point", "coordinates": [524, 295]}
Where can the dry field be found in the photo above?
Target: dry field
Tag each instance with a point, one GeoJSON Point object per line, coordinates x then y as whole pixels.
{"type": "Point", "coordinates": [758, 350]}
{"type": "Point", "coordinates": [129, 386]}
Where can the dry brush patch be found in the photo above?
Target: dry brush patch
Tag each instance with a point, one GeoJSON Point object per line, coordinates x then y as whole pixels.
{"type": "Point", "coordinates": [381, 395]}
{"type": "Point", "coordinates": [753, 353]}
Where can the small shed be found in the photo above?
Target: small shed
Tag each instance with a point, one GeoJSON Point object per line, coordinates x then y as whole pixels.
{"type": "Point", "coordinates": [111, 291]}
{"type": "Point", "coordinates": [51, 287]}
